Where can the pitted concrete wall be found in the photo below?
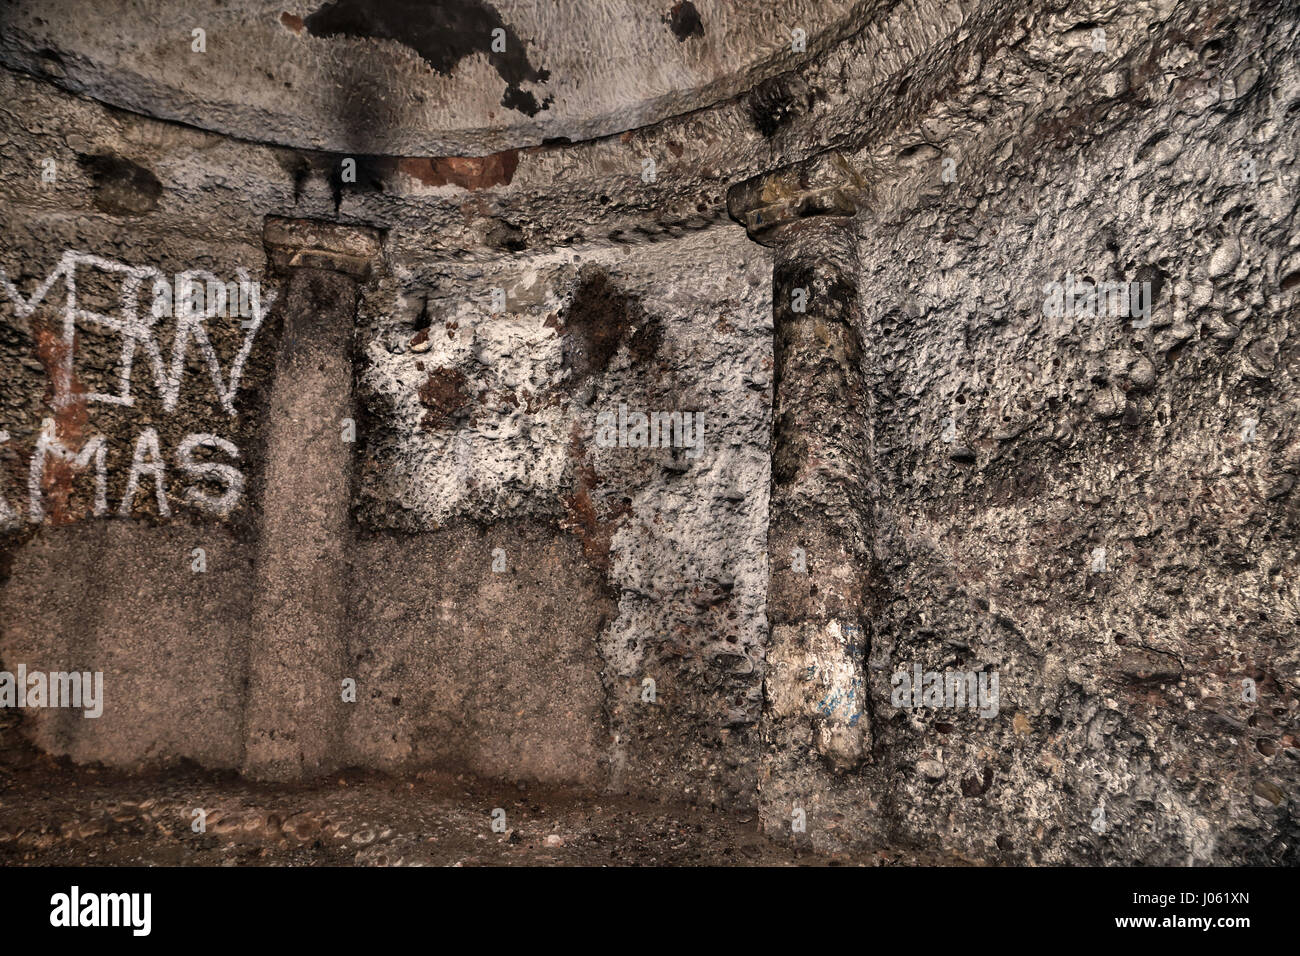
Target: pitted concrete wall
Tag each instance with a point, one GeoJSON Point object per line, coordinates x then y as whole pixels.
{"type": "Point", "coordinates": [475, 429]}
{"type": "Point", "coordinates": [495, 416]}
{"type": "Point", "coordinates": [1099, 509]}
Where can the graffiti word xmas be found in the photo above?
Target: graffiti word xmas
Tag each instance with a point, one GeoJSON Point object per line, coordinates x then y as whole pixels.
{"type": "Point", "coordinates": [215, 484]}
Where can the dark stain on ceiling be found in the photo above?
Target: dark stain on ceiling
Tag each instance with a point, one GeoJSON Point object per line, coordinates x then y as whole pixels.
{"type": "Point", "coordinates": [685, 21]}
{"type": "Point", "coordinates": [442, 34]}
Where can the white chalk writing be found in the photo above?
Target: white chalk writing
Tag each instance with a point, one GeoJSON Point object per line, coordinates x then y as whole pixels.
{"type": "Point", "coordinates": [138, 330]}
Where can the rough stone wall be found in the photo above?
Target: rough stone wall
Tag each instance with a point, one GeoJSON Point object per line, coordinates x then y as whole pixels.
{"type": "Point", "coordinates": [475, 430]}
{"type": "Point", "coordinates": [116, 592]}
{"type": "Point", "coordinates": [494, 417]}
{"type": "Point", "coordinates": [1100, 509]}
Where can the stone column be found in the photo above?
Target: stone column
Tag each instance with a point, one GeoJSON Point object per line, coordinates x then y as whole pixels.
{"type": "Point", "coordinates": [298, 645]}
{"type": "Point", "coordinates": [819, 531]}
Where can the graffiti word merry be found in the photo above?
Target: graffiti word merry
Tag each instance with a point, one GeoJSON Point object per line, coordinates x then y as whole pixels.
{"type": "Point", "coordinates": [137, 328]}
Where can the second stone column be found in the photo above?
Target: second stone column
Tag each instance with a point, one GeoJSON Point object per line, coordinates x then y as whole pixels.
{"type": "Point", "coordinates": [819, 531]}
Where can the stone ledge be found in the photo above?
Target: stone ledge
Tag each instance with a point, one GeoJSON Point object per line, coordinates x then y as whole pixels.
{"type": "Point", "coordinates": [826, 185]}
{"type": "Point", "coordinates": [315, 244]}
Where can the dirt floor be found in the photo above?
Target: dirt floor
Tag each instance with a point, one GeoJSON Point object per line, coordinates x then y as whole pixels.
{"type": "Point", "coordinates": [53, 813]}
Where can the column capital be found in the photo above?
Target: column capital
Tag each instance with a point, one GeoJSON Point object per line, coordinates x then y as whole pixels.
{"type": "Point", "coordinates": [825, 185]}
{"type": "Point", "coordinates": [316, 244]}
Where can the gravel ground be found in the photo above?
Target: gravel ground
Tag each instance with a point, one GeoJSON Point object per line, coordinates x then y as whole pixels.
{"type": "Point", "coordinates": [56, 814]}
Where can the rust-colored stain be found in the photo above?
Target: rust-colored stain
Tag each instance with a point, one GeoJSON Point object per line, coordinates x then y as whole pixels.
{"type": "Point", "coordinates": [473, 208]}
{"type": "Point", "coordinates": [291, 21]}
{"type": "Point", "coordinates": [595, 324]}
{"type": "Point", "coordinates": [445, 397]}
{"type": "Point", "coordinates": [594, 531]}
{"type": "Point", "coordinates": [70, 419]}
{"type": "Point", "coordinates": [467, 172]}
